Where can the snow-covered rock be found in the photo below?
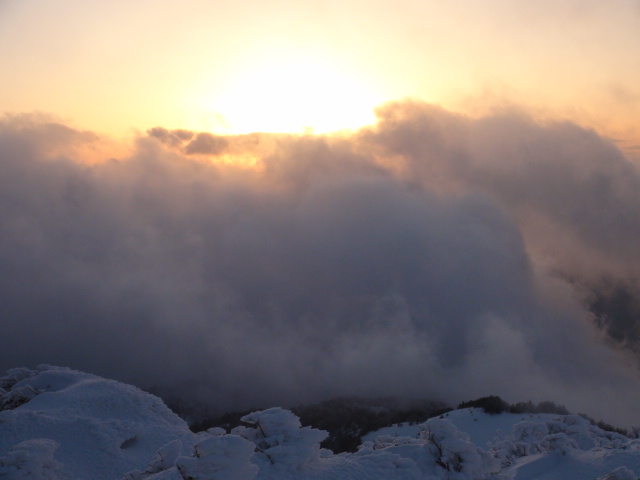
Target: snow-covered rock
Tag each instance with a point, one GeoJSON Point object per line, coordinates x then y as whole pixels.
{"type": "Point", "coordinates": [225, 456]}
{"type": "Point", "coordinates": [92, 428]}
{"type": "Point", "coordinates": [278, 435]}
{"type": "Point", "coordinates": [620, 473]}
{"type": "Point", "coordinates": [454, 451]}
{"type": "Point", "coordinates": [534, 446]}
{"type": "Point", "coordinates": [32, 459]}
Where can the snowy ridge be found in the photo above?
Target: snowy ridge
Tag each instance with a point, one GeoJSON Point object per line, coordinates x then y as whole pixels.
{"type": "Point", "coordinates": [59, 424]}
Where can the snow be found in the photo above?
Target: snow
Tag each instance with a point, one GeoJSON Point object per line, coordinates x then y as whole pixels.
{"type": "Point", "coordinates": [58, 423]}
{"type": "Point", "coordinates": [96, 428]}
{"type": "Point", "coordinates": [482, 428]}
{"type": "Point", "coordinates": [225, 456]}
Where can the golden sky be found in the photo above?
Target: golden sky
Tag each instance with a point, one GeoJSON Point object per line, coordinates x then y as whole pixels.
{"type": "Point", "coordinates": [284, 65]}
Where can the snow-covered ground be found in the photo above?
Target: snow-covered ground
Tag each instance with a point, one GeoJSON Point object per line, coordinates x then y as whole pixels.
{"type": "Point", "coordinates": [538, 446]}
{"type": "Point", "coordinates": [96, 428]}
{"type": "Point", "coordinates": [60, 424]}
{"type": "Point", "coordinates": [481, 427]}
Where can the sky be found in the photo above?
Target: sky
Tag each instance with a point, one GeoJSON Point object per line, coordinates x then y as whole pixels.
{"type": "Point", "coordinates": [279, 202]}
{"type": "Point", "coordinates": [237, 67]}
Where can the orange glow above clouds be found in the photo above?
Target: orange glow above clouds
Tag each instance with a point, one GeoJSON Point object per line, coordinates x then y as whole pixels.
{"type": "Point", "coordinates": [285, 66]}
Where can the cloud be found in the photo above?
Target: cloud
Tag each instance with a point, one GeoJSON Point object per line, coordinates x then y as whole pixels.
{"type": "Point", "coordinates": [432, 254]}
{"type": "Point", "coordinates": [174, 138]}
{"type": "Point", "coordinates": [206, 143]}
{"type": "Point", "coordinates": [615, 305]}
{"type": "Point", "coordinates": [568, 177]}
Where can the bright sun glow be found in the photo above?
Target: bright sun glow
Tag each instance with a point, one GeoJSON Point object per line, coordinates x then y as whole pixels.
{"type": "Point", "coordinates": [295, 96]}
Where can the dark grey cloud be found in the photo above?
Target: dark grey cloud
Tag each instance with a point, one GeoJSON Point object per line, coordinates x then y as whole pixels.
{"type": "Point", "coordinates": [615, 305]}
{"type": "Point", "coordinates": [207, 144]}
{"type": "Point", "coordinates": [173, 138]}
{"type": "Point", "coordinates": [423, 256]}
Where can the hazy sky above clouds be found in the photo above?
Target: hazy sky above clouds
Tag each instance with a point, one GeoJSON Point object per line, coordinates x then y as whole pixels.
{"type": "Point", "coordinates": [284, 65]}
{"type": "Point", "coordinates": [177, 208]}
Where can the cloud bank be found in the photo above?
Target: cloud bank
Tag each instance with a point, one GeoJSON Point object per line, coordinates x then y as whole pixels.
{"type": "Point", "coordinates": [429, 255]}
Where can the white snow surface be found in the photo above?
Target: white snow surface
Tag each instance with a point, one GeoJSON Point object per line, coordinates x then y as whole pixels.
{"type": "Point", "coordinates": [95, 428]}
{"type": "Point", "coordinates": [481, 427]}
{"type": "Point", "coordinates": [58, 423]}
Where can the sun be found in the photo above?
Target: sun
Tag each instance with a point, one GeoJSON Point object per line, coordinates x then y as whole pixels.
{"type": "Point", "coordinates": [293, 95]}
